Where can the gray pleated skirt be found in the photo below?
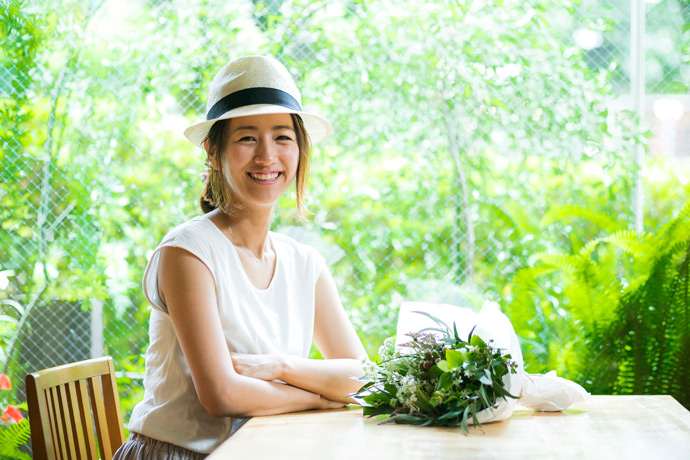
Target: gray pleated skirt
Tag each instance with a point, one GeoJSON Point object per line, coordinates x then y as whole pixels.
{"type": "Point", "coordinates": [140, 447]}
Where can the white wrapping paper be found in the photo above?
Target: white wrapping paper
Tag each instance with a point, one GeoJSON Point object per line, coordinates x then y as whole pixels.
{"type": "Point", "coordinates": [548, 392]}
{"type": "Point", "coordinates": [541, 392]}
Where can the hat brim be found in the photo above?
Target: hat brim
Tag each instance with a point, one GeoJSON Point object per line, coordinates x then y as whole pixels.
{"type": "Point", "coordinates": [319, 129]}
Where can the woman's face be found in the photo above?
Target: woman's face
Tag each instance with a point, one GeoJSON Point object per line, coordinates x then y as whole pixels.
{"type": "Point", "coordinates": [260, 158]}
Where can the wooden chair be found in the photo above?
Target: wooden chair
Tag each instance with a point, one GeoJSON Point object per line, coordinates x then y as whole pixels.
{"type": "Point", "coordinates": [66, 403]}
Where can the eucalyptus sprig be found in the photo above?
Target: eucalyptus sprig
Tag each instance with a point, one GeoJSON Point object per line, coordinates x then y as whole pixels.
{"type": "Point", "coordinates": [436, 378]}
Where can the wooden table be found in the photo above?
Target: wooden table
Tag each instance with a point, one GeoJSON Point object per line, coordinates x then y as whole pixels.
{"type": "Point", "coordinates": [604, 427]}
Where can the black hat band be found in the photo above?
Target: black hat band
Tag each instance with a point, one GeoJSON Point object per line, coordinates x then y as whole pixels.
{"type": "Point", "coordinates": [251, 96]}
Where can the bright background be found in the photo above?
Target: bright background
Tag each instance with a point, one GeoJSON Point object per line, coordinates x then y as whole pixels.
{"type": "Point", "coordinates": [482, 150]}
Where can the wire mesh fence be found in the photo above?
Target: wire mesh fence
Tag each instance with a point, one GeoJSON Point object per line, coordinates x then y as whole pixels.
{"type": "Point", "coordinates": [459, 129]}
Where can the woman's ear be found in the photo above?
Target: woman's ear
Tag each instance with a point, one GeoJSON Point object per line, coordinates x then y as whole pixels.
{"type": "Point", "coordinates": [210, 156]}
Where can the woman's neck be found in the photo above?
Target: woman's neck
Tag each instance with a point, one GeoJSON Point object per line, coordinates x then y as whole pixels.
{"type": "Point", "coordinates": [248, 230]}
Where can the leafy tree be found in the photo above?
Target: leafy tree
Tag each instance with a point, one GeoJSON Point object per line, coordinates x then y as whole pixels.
{"type": "Point", "coordinates": [485, 104]}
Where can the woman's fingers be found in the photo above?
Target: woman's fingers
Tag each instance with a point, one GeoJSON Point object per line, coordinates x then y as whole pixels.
{"type": "Point", "coordinates": [328, 404]}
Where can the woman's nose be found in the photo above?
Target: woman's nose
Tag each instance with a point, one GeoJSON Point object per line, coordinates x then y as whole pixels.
{"type": "Point", "coordinates": [265, 153]}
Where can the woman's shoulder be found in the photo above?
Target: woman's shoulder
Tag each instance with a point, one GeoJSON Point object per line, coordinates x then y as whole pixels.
{"type": "Point", "coordinates": [193, 227]}
{"type": "Point", "coordinates": [199, 229]}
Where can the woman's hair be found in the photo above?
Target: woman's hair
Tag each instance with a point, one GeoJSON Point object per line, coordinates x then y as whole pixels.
{"type": "Point", "coordinates": [216, 193]}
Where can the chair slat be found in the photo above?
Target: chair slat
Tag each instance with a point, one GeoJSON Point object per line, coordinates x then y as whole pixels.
{"type": "Point", "coordinates": [67, 431]}
{"type": "Point", "coordinates": [75, 419]}
{"type": "Point", "coordinates": [61, 447]}
{"type": "Point", "coordinates": [86, 419]}
{"type": "Point", "coordinates": [98, 409]}
{"type": "Point", "coordinates": [53, 422]}
{"type": "Point", "coordinates": [112, 406]}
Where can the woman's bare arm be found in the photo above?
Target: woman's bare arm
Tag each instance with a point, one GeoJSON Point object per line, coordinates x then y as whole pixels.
{"type": "Point", "coordinates": [188, 290]}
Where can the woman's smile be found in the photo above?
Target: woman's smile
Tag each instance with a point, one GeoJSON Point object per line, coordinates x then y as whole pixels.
{"type": "Point", "coordinates": [265, 177]}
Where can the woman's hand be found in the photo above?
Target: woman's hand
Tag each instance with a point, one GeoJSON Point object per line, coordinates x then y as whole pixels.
{"type": "Point", "coordinates": [270, 367]}
{"type": "Point", "coordinates": [328, 404]}
{"type": "Point", "coordinates": [264, 367]}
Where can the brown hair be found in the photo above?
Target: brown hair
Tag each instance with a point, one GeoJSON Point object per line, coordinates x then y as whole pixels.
{"type": "Point", "coordinates": [216, 193]}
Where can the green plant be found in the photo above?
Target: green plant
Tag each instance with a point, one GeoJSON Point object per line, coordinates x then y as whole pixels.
{"type": "Point", "coordinates": [617, 310]}
{"type": "Point", "coordinates": [646, 348]}
{"type": "Point", "coordinates": [14, 427]}
{"type": "Point", "coordinates": [436, 379]}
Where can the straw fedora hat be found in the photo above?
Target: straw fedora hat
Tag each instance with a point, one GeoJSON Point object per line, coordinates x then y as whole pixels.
{"type": "Point", "coordinates": [255, 85]}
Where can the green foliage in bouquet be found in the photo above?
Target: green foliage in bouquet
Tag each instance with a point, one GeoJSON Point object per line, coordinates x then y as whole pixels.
{"type": "Point", "coordinates": [438, 379]}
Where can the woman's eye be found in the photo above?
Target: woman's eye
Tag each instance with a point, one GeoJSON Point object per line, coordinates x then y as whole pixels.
{"type": "Point", "coordinates": [247, 139]}
{"type": "Point", "coordinates": [284, 138]}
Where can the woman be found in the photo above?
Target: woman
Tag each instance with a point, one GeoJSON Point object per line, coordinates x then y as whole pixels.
{"type": "Point", "coordinates": [236, 306]}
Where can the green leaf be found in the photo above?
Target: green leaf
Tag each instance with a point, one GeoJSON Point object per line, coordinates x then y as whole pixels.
{"type": "Point", "coordinates": [482, 392]}
{"type": "Point", "coordinates": [450, 415]}
{"type": "Point", "coordinates": [406, 419]}
{"type": "Point", "coordinates": [424, 404]}
{"type": "Point", "coordinates": [371, 411]}
{"type": "Point", "coordinates": [455, 333]}
{"type": "Point", "coordinates": [477, 341]}
{"type": "Point", "coordinates": [454, 358]}
{"type": "Point", "coordinates": [500, 391]}
{"type": "Point", "coordinates": [376, 399]}
{"type": "Point", "coordinates": [486, 378]}
{"type": "Point", "coordinates": [435, 371]}
{"type": "Point", "coordinates": [445, 382]}
{"type": "Point", "coordinates": [443, 366]}
{"type": "Point", "coordinates": [434, 319]}
{"type": "Point", "coordinates": [432, 329]}
{"type": "Point", "coordinates": [463, 423]}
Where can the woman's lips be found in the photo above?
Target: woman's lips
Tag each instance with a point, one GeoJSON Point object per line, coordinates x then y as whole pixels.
{"type": "Point", "coordinates": [264, 177]}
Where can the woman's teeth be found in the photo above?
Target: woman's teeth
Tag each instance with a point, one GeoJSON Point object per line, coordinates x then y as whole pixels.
{"type": "Point", "coordinates": [264, 177]}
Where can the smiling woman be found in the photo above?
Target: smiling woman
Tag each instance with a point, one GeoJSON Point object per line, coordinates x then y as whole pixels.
{"type": "Point", "coordinates": [263, 148]}
{"type": "Point", "coordinates": [236, 306]}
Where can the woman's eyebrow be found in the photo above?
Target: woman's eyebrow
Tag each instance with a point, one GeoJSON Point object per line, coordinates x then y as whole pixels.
{"type": "Point", "coordinates": [245, 128]}
{"type": "Point", "coordinates": [254, 128]}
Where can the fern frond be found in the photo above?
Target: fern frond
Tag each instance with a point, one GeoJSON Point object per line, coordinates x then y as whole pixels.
{"type": "Point", "coordinates": [585, 252]}
{"type": "Point", "coordinates": [11, 437]}
{"type": "Point", "coordinates": [631, 242]}
{"type": "Point", "coordinates": [521, 224]}
{"type": "Point", "coordinates": [625, 383]}
{"type": "Point", "coordinates": [677, 230]}
{"type": "Point", "coordinates": [563, 262]}
{"type": "Point", "coordinates": [568, 213]}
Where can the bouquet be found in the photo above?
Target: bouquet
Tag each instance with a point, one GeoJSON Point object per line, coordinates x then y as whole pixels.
{"type": "Point", "coordinates": [437, 378]}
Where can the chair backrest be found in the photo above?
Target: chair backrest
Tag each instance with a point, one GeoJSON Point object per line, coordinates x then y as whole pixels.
{"type": "Point", "coordinates": [74, 411]}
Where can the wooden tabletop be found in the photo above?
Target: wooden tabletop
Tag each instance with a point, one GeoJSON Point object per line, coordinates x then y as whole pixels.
{"type": "Point", "coordinates": [604, 427]}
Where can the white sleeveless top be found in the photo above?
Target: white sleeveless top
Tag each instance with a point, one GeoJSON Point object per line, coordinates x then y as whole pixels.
{"type": "Point", "coordinates": [279, 319]}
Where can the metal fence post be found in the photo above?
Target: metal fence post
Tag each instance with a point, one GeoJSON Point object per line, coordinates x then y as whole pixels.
{"type": "Point", "coordinates": [637, 89]}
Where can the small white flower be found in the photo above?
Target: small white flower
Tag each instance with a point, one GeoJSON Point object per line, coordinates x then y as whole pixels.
{"type": "Point", "coordinates": [407, 393]}
{"type": "Point", "coordinates": [387, 350]}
